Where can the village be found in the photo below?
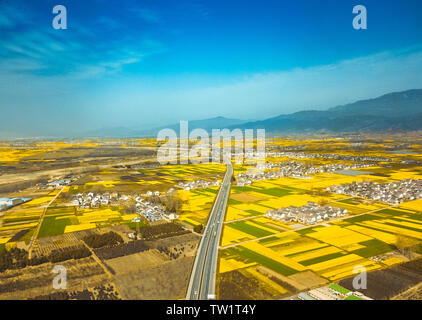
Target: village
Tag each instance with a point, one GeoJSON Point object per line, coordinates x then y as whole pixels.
{"type": "Point", "coordinates": [290, 169]}
{"type": "Point", "coordinates": [342, 157]}
{"type": "Point", "coordinates": [7, 203]}
{"type": "Point", "coordinates": [309, 214]}
{"type": "Point", "coordinates": [392, 193]}
{"type": "Point", "coordinates": [331, 292]}
{"type": "Point", "coordinates": [149, 209]}
{"type": "Point", "coordinates": [198, 184]}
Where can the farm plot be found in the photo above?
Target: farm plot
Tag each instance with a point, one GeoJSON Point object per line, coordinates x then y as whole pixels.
{"type": "Point", "coordinates": [330, 251]}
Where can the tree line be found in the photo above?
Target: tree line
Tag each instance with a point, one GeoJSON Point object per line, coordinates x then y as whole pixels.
{"type": "Point", "coordinates": [108, 239]}
{"type": "Point", "coordinates": [161, 230]}
{"type": "Point", "coordinates": [122, 249]}
{"type": "Point", "coordinates": [17, 258]}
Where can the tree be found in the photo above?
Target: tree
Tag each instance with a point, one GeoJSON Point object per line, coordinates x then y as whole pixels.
{"type": "Point", "coordinates": [172, 202]}
{"type": "Point", "coordinates": [129, 206]}
{"type": "Point", "coordinates": [66, 196]}
{"type": "Point", "coordinates": [198, 228]}
{"type": "Point", "coordinates": [406, 245]}
{"type": "Point", "coordinates": [101, 240]}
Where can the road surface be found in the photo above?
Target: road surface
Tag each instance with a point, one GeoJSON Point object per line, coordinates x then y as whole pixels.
{"type": "Point", "coordinates": [202, 281]}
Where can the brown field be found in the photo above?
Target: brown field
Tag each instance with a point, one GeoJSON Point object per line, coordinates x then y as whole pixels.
{"type": "Point", "coordinates": [31, 282]}
{"type": "Point", "coordinates": [137, 262]}
{"type": "Point", "coordinates": [245, 197]}
{"type": "Point", "coordinates": [166, 281]}
{"type": "Point", "coordinates": [389, 283]}
{"type": "Point", "coordinates": [161, 272]}
{"type": "Point", "coordinates": [414, 293]}
{"type": "Point", "coordinates": [238, 285]}
{"type": "Point", "coordinates": [167, 260]}
{"type": "Point", "coordinates": [295, 283]}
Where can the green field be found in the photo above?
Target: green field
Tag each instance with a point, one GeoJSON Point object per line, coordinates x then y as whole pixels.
{"type": "Point", "coordinates": [248, 256]}
{"type": "Point", "coordinates": [364, 217]}
{"type": "Point", "coordinates": [249, 229]}
{"type": "Point", "coordinates": [276, 192]}
{"type": "Point", "coordinates": [321, 259]}
{"type": "Point", "coordinates": [268, 240]}
{"type": "Point", "coordinates": [51, 226]}
{"type": "Point", "coordinates": [338, 288]}
{"type": "Point", "coordinates": [372, 248]}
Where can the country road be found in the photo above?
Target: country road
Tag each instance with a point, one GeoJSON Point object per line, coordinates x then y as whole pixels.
{"type": "Point", "coordinates": [202, 281]}
{"type": "Point", "coordinates": [37, 230]}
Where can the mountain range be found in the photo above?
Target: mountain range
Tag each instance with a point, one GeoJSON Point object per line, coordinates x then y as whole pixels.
{"type": "Point", "coordinates": [398, 111]}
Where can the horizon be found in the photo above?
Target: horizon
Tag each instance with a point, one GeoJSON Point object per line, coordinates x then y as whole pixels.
{"type": "Point", "coordinates": [138, 133]}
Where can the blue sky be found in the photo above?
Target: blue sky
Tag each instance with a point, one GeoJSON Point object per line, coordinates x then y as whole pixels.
{"type": "Point", "coordinates": [144, 63]}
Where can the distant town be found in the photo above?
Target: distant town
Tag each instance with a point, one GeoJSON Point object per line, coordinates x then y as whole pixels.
{"type": "Point", "coordinates": [309, 214]}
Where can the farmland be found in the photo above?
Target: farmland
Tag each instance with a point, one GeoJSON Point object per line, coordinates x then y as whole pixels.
{"type": "Point", "coordinates": [373, 234]}
{"type": "Point", "coordinates": [61, 218]}
{"type": "Point", "coordinates": [126, 168]}
{"type": "Point", "coordinates": [259, 257]}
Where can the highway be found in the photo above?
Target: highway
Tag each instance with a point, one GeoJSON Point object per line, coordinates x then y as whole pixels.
{"type": "Point", "coordinates": [202, 281]}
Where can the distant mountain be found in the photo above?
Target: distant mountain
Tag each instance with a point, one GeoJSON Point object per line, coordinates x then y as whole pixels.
{"type": "Point", "coordinates": [400, 111]}
{"type": "Point", "coordinates": [206, 124]}
{"type": "Point", "coordinates": [391, 105]}
{"type": "Point", "coordinates": [124, 132]}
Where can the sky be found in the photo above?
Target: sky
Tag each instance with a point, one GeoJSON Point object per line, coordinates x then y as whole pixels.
{"type": "Point", "coordinates": [147, 63]}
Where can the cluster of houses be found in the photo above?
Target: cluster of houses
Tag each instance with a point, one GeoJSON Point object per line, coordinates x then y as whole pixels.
{"type": "Point", "coordinates": [55, 184]}
{"type": "Point", "coordinates": [344, 157]}
{"type": "Point", "coordinates": [147, 209]}
{"type": "Point", "coordinates": [392, 193]}
{"type": "Point", "coordinates": [332, 292]}
{"type": "Point", "coordinates": [153, 212]}
{"type": "Point", "coordinates": [58, 183]}
{"type": "Point", "coordinates": [198, 184]}
{"type": "Point", "coordinates": [6, 203]}
{"type": "Point", "coordinates": [91, 200]}
{"type": "Point", "coordinates": [153, 193]}
{"type": "Point", "coordinates": [309, 214]}
{"type": "Point", "coordinates": [289, 169]}
{"type": "Point", "coordinates": [296, 147]}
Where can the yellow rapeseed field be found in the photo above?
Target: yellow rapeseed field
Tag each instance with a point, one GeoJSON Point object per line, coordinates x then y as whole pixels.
{"type": "Point", "coordinates": [413, 205]}
{"type": "Point", "coordinates": [79, 227]}
{"type": "Point", "coordinates": [337, 236]}
{"type": "Point", "coordinates": [226, 265]}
